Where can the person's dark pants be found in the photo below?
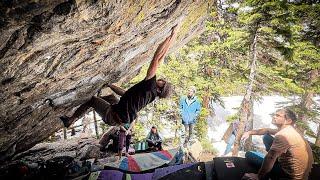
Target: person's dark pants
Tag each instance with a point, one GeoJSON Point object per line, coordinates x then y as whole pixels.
{"type": "Point", "coordinates": [256, 159]}
{"type": "Point", "coordinates": [107, 136]}
{"type": "Point", "coordinates": [124, 140]}
{"type": "Point", "coordinates": [112, 147]}
{"type": "Point", "coordinates": [115, 143]}
{"type": "Point", "coordinates": [189, 131]}
{"type": "Point", "coordinates": [100, 104]}
{"type": "Point", "coordinates": [155, 145]}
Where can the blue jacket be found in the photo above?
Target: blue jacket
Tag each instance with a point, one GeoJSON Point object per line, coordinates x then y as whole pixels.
{"type": "Point", "coordinates": [189, 113]}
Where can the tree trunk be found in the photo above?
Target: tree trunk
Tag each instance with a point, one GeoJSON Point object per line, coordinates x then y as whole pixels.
{"type": "Point", "coordinates": [245, 105]}
{"type": "Point", "coordinates": [64, 133]}
{"type": "Point", "coordinates": [249, 124]}
{"type": "Point", "coordinates": [95, 124]}
{"type": "Point", "coordinates": [227, 134]}
{"type": "Point", "coordinates": [307, 101]}
{"type": "Point", "coordinates": [206, 100]}
{"type": "Point", "coordinates": [305, 105]}
{"type": "Point", "coordinates": [318, 137]}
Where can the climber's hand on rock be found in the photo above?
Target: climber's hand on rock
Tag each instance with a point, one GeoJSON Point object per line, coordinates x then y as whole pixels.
{"type": "Point", "coordinates": [175, 29]}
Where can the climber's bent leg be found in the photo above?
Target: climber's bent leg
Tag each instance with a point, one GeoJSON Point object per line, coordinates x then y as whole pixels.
{"type": "Point", "coordinates": [100, 106]}
{"type": "Point", "coordinates": [111, 99]}
{"type": "Point", "coordinates": [111, 118]}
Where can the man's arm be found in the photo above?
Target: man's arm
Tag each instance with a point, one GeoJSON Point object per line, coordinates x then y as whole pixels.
{"type": "Point", "coordinates": [123, 128]}
{"type": "Point", "coordinates": [268, 163]}
{"type": "Point", "coordinates": [160, 53]}
{"type": "Point", "coordinates": [266, 167]}
{"type": "Point", "coordinates": [263, 131]}
{"type": "Point", "coordinates": [117, 89]}
{"type": "Point", "coordinates": [129, 131]}
{"type": "Point", "coordinates": [279, 145]}
{"type": "Point", "coordinates": [258, 132]}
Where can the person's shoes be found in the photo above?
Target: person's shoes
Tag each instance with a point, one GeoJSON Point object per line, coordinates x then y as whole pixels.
{"type": "Point", "coordinates": [66, 121]}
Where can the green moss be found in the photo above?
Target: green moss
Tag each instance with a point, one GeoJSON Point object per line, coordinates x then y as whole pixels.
{"type": "Point", "coordinates": [195, 14]}
{"type": "Point", "coordinates": [133, 8]}
{"type": "Point", "coordinates": [139, 18]}
{"type": "Point", "coordinates": [136, 6]}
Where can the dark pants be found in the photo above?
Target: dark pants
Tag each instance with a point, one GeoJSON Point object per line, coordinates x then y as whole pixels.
{"type": "Point", "coordinates": [124, 140]}
{"type": "Point", "coordinates": [156, 145]}
{"type": "Point", "coordinates": [189, 131]}
{"type": "Point", "coordinates": [112, 133]}
{"type": "Point", "coordinates": [115, 143]}
{"type": "Point", "coordinates": [257, 158]}
{"type": "Point", "coordinates": [99, 104]}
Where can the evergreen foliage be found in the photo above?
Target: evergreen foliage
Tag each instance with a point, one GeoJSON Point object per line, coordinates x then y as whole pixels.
{"type": "Point", "coordinates": [220, 61]}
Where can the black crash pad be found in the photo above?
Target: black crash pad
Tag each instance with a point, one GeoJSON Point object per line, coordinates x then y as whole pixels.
{"type": "Point", "coordinates": [231, 168]}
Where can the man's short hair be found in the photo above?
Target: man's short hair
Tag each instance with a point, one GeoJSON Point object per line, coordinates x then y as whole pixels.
{"type": "Point", "coordinates": [289, 114]}
{"type": "Point", "coordinates": [166, 90]}
{"type": "Point", "coordinates": [193, 88]}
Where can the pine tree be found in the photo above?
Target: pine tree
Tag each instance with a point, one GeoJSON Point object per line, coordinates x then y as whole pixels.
{"type": "Point", "coordinates": [306, 58]}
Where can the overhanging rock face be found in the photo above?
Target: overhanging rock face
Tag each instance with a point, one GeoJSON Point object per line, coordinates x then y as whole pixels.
{"type": "Point", "coordinates": [66, 50]}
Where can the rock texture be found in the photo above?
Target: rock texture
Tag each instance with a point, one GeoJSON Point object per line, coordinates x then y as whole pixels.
{"type": "Point", "coordinates": [65, 50]}
{"type": "Point", "coordinates": [81, 149]}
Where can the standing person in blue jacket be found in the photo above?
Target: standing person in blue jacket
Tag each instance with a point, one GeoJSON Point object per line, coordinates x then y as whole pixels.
{"type": "Point", "coordinates": [190, 109]}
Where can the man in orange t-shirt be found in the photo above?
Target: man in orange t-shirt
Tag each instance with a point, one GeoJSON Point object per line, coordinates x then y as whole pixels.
{"type": "Point", "coordinates": [292, 151]}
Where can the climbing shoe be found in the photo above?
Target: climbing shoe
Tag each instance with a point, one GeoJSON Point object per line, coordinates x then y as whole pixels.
{"type": "Point", "coordinates": [66, 121]}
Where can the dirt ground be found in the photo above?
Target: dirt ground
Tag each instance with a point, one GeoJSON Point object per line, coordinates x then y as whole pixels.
{"type": "Point", "coordinates": [206, 156]}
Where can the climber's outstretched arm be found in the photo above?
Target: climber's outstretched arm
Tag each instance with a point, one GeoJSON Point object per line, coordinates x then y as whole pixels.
{"type": "Point", "coordinates": [160, 53]}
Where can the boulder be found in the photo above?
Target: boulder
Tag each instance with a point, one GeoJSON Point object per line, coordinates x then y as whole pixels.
{"type": "Point", "coordinates": [77, 148]}
{"type": "Point", "coordinates": [55, 55]}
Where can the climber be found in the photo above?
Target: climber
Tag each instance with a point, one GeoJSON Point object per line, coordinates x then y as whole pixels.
{"type": "Point", "coordinates": [135, 98]}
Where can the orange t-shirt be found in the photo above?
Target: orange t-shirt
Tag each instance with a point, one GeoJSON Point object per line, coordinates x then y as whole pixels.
{"type": "Point", "coordinates": [296, 158]}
